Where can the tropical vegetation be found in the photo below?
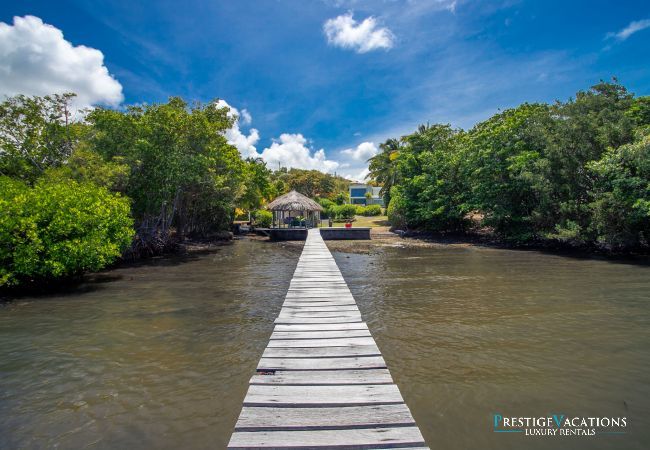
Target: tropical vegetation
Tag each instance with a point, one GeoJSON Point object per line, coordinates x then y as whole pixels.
{"type": "Point", "coordinates": [79, 189]}
{"type": "Point", "coordinates": [573, 173]}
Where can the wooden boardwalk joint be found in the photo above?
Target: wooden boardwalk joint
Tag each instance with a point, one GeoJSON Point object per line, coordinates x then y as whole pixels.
{"type": "Point", "coordinates": [322, 382]}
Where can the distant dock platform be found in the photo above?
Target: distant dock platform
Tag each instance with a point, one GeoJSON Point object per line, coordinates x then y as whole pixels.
{"type": "Point", "coordinates": [326, 233]}
{"type": "Point", "coordinates": [322, 382]}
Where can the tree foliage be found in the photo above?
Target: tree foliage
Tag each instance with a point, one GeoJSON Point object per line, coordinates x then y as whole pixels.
{"type": "Point", "coordinates": [311, 183]}
{"type": "Point", "coordinates": [183, 173]}
{"type": "Point", "coordinates": [574, 172]}
{"type": "Point", "coordinates": [59, 228]}
{"type": "Point", "coordinates": [36, 133]}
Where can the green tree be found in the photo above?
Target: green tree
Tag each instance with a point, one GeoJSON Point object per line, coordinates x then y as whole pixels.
{"type": "Point", "coordinates": [184, 175]}
{"type": "Point", "coordinates": [257, 184]}
{"type": "Point", "coordinates": [383, 167]}
{"type": "Point", "coordinates": [432, 188]}
{"type": "Point", "coordinates": [36, 133]}
{"type": "Point", "coordinates": [621, 203]}
{"type": "Point", "coordinates": [504, 158]}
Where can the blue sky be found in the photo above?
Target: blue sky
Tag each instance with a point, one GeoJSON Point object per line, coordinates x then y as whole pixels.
{"type": "Point", "coordinates": [337, 76]}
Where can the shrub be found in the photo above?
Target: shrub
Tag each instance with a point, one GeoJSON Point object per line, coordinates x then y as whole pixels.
{"type": "Point", "coordinates": [359, 210]}
{"type": "Point", "coordinates": [372, 210]}
{"type": "Point", "coordinates": [344, 212]}
{"type": "Point", "coordinates": [328, 206]}
{"type": "Point", "coordinates": [263, 218]}
{"type": "Point", "coordinates": [59, 229]}
{"type": "Point", "coordinates": [341, 198]}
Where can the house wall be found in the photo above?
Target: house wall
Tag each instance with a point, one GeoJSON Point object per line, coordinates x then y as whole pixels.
{"type": "Point", "coordinates": [358, 195]}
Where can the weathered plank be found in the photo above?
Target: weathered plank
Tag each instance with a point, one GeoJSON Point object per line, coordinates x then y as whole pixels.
{"type": "Point", "coordinates": [329, 439]}
{"type": "Point", "coordinates": [321, 352]}
{"type": "Point", "coordinates": [322, 327]}
{"type": "Point", "coordinates": [329, 342]}
{"type": "Point", "coordinates": [302, 320]}
{"type": "Point", "coordinates": [316, 304]}
{"type": "Point", "coordinates": [361, 362]}
{"type": "Point", "coordinates": [348, 417]}
{"type": "Point", "coordinates": [362, 394]}
{"type": "Point", "coordinates": [320, 309]}
{"type": "Point", "coordinates": [325, 377]}
{"type": "Point", "coordinates": [319, 334]}
{"type": "Point", "coordinates": [291, 313]}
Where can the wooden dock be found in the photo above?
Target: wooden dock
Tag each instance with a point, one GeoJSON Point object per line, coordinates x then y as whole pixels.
{"type": "Point", "coordinates": [322, 382]}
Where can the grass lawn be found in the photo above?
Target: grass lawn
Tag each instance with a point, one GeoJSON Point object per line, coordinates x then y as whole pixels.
{"type": "Point", "coordinates": [361, 221]}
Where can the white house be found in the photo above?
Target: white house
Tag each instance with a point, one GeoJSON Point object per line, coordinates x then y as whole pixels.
{"type": "Point", "coordinates": [359, 191]}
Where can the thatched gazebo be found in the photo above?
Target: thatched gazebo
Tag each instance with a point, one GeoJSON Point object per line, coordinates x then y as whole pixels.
{"type": "Point", "coordinates": [289, 208]}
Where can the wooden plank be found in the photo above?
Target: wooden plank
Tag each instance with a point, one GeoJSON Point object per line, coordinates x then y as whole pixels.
{"type": "Point", "coordinates": [332, 342]}
{"type": "Point", "coordinates": [321, 396]}
{"type": "Point", "coordinates": [349, 417]}
{"type": "Point", "coordinates": [334, 299]}
{"type": "Point", "coordinates": [322, 327]}
{"type": "Point", "coordinates": [329, 439]}
{"type": "Point", "coordinates": [316, 309]}
{"type": "Point", "coordinates": [325, 377]}
{"type": "Point", "coordinates": [302, 320]}
{"type": "Point", "coordinates": [290, 313]}
{"type": "Point", "coordinates": [361, 362]}
{"type": "Point", "coordinates": [319, 334]}
{"type": "Point", "coordinates": [317, 292]}
{"type": "Point", "coordinates": [318, 302]}
{"type": "Point", "coordinates": [321, 352]}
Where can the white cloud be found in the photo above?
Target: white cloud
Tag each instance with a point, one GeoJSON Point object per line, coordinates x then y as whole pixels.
{"type": "Point", "coordinates": [291, 151]}
{"type": "Point", "coordinates": [359, 177]}
{"type": "Point", "coordinates": [629, 30]}
{"type": "Point", "coordinates": [345, 32]}
{"type": "Point", "coordinates": [362, 152]}
{"type": "Point", "coordinates": [244, 143]}
{"type": "Point", "coordinates": [35, 59]}
{"type": "Point", "coordinates": [246, 118]}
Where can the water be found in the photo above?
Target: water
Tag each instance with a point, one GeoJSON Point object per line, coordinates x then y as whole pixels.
{"type": "Point", "coordinates": [156, 356]}
{"type": "Point", "coordinates": [468, 333]}
{"type": "Point", "coordinates": [159, 355]}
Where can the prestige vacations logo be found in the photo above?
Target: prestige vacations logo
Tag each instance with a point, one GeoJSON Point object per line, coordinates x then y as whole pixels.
{"type": "Point", "coordinates": [560, 425]}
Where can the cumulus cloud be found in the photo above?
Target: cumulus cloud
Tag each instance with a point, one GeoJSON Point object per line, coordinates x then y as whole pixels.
{"type": "Point", "coordinates": [35, 59]}
{"type": "Point", "coordinates": [244, 143]}
{"type": "Point", "coordinates": [291, 150]}
{"type": "Point", "coordinates": [633, 27]}
{"type": "Point", "coordinates": [345, 32]}
{"type": "Point", "coordinates": [246, 118]}
{"type": "Point", "coordinates": [359, 177]}
{"type": "Point", "coordinates": [362, 151]}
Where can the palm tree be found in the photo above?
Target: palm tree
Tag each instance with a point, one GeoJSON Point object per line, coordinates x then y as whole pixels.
{"type": "Point", "coordinates": [383, 167]}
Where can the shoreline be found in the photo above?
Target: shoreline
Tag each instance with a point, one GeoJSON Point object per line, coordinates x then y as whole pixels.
{"type": "Point", "coordinates": [380, 238]}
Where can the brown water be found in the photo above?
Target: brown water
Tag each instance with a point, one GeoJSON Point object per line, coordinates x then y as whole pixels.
{"type": "Point", "coordinates": [159, 355]}
{"type": "Point", "coordinates": [468, 333]}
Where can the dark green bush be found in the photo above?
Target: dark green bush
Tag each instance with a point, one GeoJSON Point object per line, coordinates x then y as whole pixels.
{"type": "Point", "coordinates": [371, 210]}
{"type": "Point", "coordinates": [344, 212]}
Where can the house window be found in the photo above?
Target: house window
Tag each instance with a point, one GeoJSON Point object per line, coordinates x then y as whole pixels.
{"type": "Point", "coordinates": [358, 192]}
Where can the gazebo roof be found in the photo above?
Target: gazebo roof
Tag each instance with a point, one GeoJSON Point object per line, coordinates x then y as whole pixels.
{"type": "Point", "coordinates": [293, 201]}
